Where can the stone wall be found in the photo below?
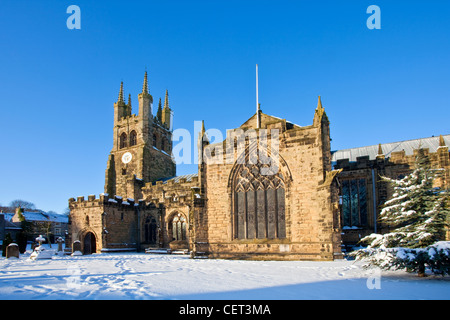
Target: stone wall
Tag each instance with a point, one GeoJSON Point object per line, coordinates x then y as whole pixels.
{"type": "Point", "coordinates": [174, 197]}
{"type": "Point", "coordinates": [312, 220]}
{"type": "Point", "coordinates": [113, 221]}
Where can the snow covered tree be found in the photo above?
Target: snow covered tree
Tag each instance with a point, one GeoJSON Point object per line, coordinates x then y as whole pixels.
{"type": "Point", "coordinates": [417, 216]}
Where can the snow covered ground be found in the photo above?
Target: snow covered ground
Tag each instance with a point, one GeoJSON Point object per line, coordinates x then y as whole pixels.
{"type": "Point", "coordinates": [148, 276]}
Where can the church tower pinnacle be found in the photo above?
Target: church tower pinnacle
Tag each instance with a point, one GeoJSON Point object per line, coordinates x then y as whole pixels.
{"type": "Point", "coordinates": [120, 99]}
{"type": "Point", "coordinates": [166, 112]}
{"type": "Point", "coordinates": [120, 106]}
{"type": "Point", "coordinates": [145, 85]}
{"type": "Point", "coordinates": [145, 101]}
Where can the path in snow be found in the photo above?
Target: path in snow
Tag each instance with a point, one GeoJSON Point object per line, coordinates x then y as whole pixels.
{"type": "Point", "coordinates": [148, 276]}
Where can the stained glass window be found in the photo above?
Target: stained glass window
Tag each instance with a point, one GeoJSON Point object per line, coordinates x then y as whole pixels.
{"type": "Point", "coordinates": [354, 202]}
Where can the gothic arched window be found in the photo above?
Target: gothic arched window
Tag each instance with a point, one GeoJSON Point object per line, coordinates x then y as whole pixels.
{"type": "Point", "coordinates": [123, 140]}
{"type": "Point", "coordinates": [133, 138]}
{"type": "Point", "coordinates": [154, 140]}
{"type": "Point", "coordinates": [259, 204]}
{"type": "Point", "coordinates": [178, 226]}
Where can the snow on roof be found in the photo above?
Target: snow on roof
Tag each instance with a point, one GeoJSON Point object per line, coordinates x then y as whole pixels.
{"type": "Point", "coordinates": [176, 179]}
{"type": "Point", "coordinates": [57, 217]}
{"type": "Point", "coordinates": [8, 215]}
{"type": "Point", "coordinates": [40, 216]}
{"type": "Point", "coordinates": [408, 146]}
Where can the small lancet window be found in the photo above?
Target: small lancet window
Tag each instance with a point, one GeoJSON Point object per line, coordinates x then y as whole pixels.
{"type": "Point", "coordinates": [133, 138]}
{"type": "Point", "coordinates": [123, 140]}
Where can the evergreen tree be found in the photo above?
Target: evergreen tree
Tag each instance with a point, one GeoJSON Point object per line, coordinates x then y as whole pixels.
{"type": "Point", "coordinates": [22, 241]}
{"type": "Point", "coordinates": [6, 242]}
{"type": "Point", "coordinates": [23, 235]}
{"type": "Point", "coordinates": [417, 217]}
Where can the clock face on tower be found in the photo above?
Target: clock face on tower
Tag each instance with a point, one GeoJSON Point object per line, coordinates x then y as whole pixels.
{"type": "Point", "coordinates": [126, 158]}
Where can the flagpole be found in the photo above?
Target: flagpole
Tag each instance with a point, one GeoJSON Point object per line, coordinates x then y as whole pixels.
{"type": "Point", "coordinates": [258, 124]}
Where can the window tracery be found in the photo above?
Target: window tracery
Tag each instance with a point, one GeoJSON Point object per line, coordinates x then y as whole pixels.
{"type": "Point", "coordinates": [259, 203]}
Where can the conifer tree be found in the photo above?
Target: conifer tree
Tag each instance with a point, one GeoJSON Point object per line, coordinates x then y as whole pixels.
{"type": "Point", "coordinates": [417, 216]}
{"type": "Point", "coordinates": [6, 242]}
{"type": "Point", "coordinates": [25, 232]}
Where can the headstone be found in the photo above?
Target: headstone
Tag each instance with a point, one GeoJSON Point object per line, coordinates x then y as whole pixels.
{"type": "Point", "coordinates": [42, 253]}
{"type": "Point", "coordinates": [60, 242]}
{"type": "Point", "coordinates": [12, 251]}
{"type": "Point", "coordinates": [76, 248]}
{"type": "Point", "coordinates": [60, 251]}
{"type": "Point", "coordinates": [40, 239]}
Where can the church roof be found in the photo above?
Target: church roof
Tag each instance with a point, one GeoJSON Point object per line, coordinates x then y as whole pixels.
{"type": "Point", "coordinates": [408, 146]}
{"type": "Point", "coordinates": [265, 118]}
{"type": "Point", "coordinates": [176, 179]}
{"type": "Point", "coordinates": [40, 216]}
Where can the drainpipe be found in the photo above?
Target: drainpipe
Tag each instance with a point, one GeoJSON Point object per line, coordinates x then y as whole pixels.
{"type": "Point", "coordinates": [374, 198]}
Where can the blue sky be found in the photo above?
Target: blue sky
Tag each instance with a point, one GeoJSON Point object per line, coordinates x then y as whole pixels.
{"type": "Point", "coordinates": [58, 86]}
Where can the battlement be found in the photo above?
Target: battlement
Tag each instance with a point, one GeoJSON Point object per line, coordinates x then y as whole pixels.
{"type": "Point", "coordinates": [187, 181]}
{"type": "Point", "coordinates": [104, 199]}
{"type": "Point", "coordinates": [180, 190]}
{"type": "Point", "coordinates": [394, 158]}
{"type": "Point", "coordinates": [126, 119]}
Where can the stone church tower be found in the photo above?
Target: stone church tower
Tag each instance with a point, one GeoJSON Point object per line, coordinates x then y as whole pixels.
{"type": "Point", "coordinates": [142, 145]}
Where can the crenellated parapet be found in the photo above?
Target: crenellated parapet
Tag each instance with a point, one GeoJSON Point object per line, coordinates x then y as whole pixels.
{"type": "Point", "coordinates": [180, 190]}
{"type": "Point", "coordinates": [438, 159]}
{"type": "Point", "coordinates": [105, 199]}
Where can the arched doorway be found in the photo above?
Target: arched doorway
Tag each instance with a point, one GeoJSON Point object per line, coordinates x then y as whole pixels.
{"type": "Point", "coordinates": [90, 245]}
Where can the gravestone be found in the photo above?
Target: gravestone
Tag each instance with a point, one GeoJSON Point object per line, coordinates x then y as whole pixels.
{"type": "Point", "coordinates": [76, 248]}
{"type": "Point", "coordinates": [12, 251]}
{"type": "Point", "coordinates": [40, 239]}
{"type": "Point", "coordinates": [60, 242]}
{"type": "Point", "coordinates": [60, 251]}
{"type": "Point", "coordinates": [42, 253]}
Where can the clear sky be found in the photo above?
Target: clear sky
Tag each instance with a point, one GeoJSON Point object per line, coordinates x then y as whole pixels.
{"type": "Point", "coordinates": [58, 85]}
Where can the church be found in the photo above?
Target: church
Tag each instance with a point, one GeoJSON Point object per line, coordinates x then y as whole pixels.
{"type": "Point", "coordinates": [270, 191]}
